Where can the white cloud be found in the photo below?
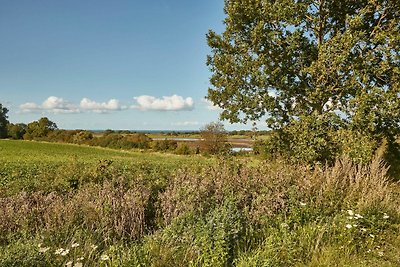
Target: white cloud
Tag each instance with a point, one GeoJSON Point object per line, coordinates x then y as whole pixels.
{"type": "Point", "coordinates": [186, 123]}
{"type": "Point", "coordinates": [210, 105]}
{"type": "Point", "coordinates": [29, 106]}
{"type": "Point", "coordinates": [166, 103]}
{"type": "Point", "coordinates": [112, 104]}
{"type": "Point", "coordinates": [52, 104]}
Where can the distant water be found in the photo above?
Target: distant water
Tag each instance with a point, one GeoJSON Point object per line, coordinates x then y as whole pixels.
{"type": "Point", "coordinates": [242, 149]}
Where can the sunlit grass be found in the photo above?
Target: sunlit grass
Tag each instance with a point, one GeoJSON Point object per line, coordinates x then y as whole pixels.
{"type": "Point", "coordinates": [68, 205]}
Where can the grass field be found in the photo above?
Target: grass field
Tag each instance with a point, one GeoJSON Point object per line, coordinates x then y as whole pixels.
{"type": "Point", "coordinates": [32, 166]}
{"type": "Point", "coordinates": [36, 152]}
{"type": "Point", "coordinates": [68, 205]}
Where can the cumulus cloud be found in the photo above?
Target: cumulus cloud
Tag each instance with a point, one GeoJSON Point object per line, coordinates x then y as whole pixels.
{"type": "Point", "coordinates": [210, 105]}
{"type": "Point", "coordinates": [29, 106]}
{"type": "Point", "coordinates": [52, 104]}
{"type": "Point", "coordinates": [166, 103]}
{"type": "Point", "coordinates": [111, 105]}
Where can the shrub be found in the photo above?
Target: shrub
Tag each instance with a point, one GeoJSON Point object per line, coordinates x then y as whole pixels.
{"type": "Point", "coordinates": [213, 139]}
{"type": "Point", "coordinates": [182, 149]}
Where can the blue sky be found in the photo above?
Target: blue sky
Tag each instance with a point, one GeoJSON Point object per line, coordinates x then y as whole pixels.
{"type": "Point", "coordinates": [98, 64]}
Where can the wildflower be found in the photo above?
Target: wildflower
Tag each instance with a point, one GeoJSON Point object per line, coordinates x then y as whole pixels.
{"type": "Point", "coordinates": [104, 257]}
{"type": "Point", "coordinates": [65, 252]}
{"type": "Point", "coordinates": [303, 204]}
{"type": "Point", "coordinates": [355, 225]}
{"type": "Point", "coordinates": [78, 264]}
{"type": "Point", "coordinates": [75, 245]}
{"type": "Point", "coordinates": [385, 216]}
{"type": "Point", "coordinates": [350, 212]}
{"type": "Point", "coordinates": [43, 250]}
{"type": "Point", "coordinates": [350, 217]}
{"type": "Point", "coordinates": [81, 259]}
{"type": "Point", "coordinates": [380, 253]}
{"type": "Point", "coordinates": [69, 264]}
{"type": "Point", "coordinates": [39, 245]}
{"type": "Point", "coordinates": [59, 251]}
{"type": "Point", "coordinates": [371, 235]}
{"type": "Point", "coordinates": [358, 216]}
{"type": "Point", "coordinates": [349, 226]}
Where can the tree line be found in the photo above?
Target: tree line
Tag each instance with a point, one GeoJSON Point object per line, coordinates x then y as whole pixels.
{"type": "Point", "coordinates": [213, 137]}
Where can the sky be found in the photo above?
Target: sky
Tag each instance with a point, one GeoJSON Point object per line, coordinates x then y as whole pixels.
{"type": "Point", "coordinates": [97, 64]}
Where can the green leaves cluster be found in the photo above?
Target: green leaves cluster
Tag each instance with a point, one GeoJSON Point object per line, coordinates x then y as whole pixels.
{"type": "Point", "coordinates": [3, 121]}
{"type": "Point", "coordinates": [309, 61]}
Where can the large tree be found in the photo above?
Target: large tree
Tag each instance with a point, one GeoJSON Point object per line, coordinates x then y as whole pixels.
{"type": "Point", "coordinates": [291, 60]}
{"type": "Point", "coordinates": [3, 121]}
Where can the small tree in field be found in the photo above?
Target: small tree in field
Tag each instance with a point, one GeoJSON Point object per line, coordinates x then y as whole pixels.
{"type": "Point", "coordinates": [213, 138]}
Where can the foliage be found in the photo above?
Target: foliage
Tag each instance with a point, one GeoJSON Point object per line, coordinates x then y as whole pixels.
{"type": "Point", "coordinates": [3, 121]}
{"type": "Point", "coordinates": [213, 138]}
{"type": "Point", "coordinates": [307, 63]}
{"type": "Point", "coordinates": [164, 145]}
{"type": "Point", "coordinates": [182, 149]}
{"type": "Point", "coordinates": [16, 131]}
{"type": "Point", "coordinates": [101, 207]}
{"type": "Point", "coordinates": [39, 129]}
{"type": "Point", "coordinates": [119, 141]}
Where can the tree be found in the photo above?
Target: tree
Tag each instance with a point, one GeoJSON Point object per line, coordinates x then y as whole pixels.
{"type": "Point", "coordinates": [40, 128]}
{"type": "Point", "coordinates": [335, 63]}
{"type": "Point", "coordinates": [213, 138]}
{"type": "Point", "coordinates": [16, 131]}
{"type": "Point", "coordinates": [3, 121]}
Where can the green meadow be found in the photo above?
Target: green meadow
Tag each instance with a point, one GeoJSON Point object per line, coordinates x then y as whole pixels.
{"type": "Point", "coordinates": [70, 205]}
{"type": "Point", "coordinates": [33, 166]}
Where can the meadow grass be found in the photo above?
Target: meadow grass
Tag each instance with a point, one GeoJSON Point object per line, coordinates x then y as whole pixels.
{"type": "Point", "coordinates": [83, 206]}
{"type": "Point", "coordinates": [33, 151]}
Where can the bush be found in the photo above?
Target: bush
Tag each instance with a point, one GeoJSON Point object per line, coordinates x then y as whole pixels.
{"type": "Point", "coordinates": [182, 149]}
{"type": "Point", "coordinates": [164, 145]}
{"type": "Point", "coordinates": [232, 213]}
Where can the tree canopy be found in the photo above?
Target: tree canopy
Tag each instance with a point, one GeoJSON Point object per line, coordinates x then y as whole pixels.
{"type": "Point", "coordinates": [40, 128]}
{"type": "Point", "coordinates": [3, 121]}
{"type": "Point", "coordinates": [328, 61]}
{"type": "Point", "coordinates": [213, 138]}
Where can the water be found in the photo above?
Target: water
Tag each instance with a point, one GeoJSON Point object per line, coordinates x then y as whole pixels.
{"type": "Point", "coordinates": [242, 149]}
